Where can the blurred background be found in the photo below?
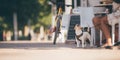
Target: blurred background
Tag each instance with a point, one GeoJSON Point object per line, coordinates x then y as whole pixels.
{"type": "Point", "coordinates": [27, 19]}
{"type": "Point", "coordinates": [34, 19]}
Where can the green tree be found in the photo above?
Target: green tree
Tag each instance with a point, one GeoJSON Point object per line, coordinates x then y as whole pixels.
{"type": "Point", "coordinates": [37, 11]}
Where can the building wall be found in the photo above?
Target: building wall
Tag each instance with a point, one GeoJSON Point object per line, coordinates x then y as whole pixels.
{"type": "Point", "coordinates": [93, 2]}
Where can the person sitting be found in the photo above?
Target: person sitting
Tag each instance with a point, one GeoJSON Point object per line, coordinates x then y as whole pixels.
{"type": "Point", "coordinates": [104, 22]}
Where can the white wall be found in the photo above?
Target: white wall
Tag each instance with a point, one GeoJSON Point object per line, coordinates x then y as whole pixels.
{"type": "Point", "coordinates": [68, 8]}
{"type": "Point", "coordinates": [94, 2]}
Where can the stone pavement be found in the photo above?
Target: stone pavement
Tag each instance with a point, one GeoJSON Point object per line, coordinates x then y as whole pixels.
{"type": "Point", "coordinates": [26, 50]}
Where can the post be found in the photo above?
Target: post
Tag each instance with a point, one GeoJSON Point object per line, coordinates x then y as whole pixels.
{"type": "Point", "coordinates": [15, 25]}
{"type": "Point", "coordinates": [75, 3]}
{"type": "Point", "coordinates": [84, 3]}
{"type": "Point", "coordinates": [100, 37]}
{"type": "Point", "coordinates": [119, 32]}
{"type": "Point", "coordinates": [68, 6]}
{"type": "Point", "coordinates": [93, 36]}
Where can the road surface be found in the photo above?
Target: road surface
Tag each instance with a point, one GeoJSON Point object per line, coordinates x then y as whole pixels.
{"type": "Point", "coordinates": [25, 50]}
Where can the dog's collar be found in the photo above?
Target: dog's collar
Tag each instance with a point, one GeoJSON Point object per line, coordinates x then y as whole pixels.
{"type": "Point", "coordinates": [80, 35]}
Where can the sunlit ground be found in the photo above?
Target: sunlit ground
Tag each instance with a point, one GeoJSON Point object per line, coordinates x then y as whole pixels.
{"type": "Point", "coordinates": [27, 50]}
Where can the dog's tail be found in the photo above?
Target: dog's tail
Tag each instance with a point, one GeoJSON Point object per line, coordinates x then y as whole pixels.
{"type": "Point", "coordinates": [88, 30]}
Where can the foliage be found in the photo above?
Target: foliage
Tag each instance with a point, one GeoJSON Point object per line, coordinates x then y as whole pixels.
{"type": "Point", "coordinates": [37, 11]}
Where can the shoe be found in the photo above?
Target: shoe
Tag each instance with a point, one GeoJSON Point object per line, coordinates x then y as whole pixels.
{"type": "Point", "coordinates": [108, 47]}
{"type": "Point", "coordinates": [117, 43]}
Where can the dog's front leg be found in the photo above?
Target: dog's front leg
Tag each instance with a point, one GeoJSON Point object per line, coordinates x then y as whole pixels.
{"type": "Point", "coordinates": [78, 43]}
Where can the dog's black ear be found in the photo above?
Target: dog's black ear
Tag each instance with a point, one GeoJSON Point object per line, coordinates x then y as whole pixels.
{"type": "Point", "coordinates": [85, 29]}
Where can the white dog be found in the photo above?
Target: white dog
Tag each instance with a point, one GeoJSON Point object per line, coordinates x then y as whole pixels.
{"type": "Point", "coordinates": [81, 36]}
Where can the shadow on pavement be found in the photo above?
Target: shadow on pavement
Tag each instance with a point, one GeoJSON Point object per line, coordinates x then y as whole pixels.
{"type": "Point", "coordinates": [39, 46]}
{"type": "Point", "coordinates": [36, 45]}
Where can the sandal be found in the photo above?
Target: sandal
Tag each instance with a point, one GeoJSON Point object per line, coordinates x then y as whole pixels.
{"type": "Point", "coordinates": [108, 47]}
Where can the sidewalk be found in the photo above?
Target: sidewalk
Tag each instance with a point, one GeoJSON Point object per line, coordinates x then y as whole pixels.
{"type": "Point", "coordinates": [33, 44]}
{"type": "Point", "coordinates": [26, 50]}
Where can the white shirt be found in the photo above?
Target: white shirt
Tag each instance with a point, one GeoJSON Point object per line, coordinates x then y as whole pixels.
{"type": "Point", "coordinates": [115, 6]}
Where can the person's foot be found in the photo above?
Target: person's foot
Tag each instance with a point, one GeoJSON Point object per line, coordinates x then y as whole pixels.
{"type": "Point", "coordinates": [107, 46]}
{"type": "Point", "coordinates": [103, 46]}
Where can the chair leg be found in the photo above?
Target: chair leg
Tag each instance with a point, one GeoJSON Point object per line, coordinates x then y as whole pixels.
{"type": "Point", "coordinates": [113, 34]}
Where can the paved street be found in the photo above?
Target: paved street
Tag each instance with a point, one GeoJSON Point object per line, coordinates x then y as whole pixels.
{"type": "Point", "coordinates": [26, 50]}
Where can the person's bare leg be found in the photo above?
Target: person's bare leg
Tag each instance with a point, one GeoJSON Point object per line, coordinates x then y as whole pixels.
{"type": "Point", "coordinates": [102, 23]}
{"type": "Point", "coordinates": [96, 22]}
{"type": "Point", "coordinates": [105, 29]}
